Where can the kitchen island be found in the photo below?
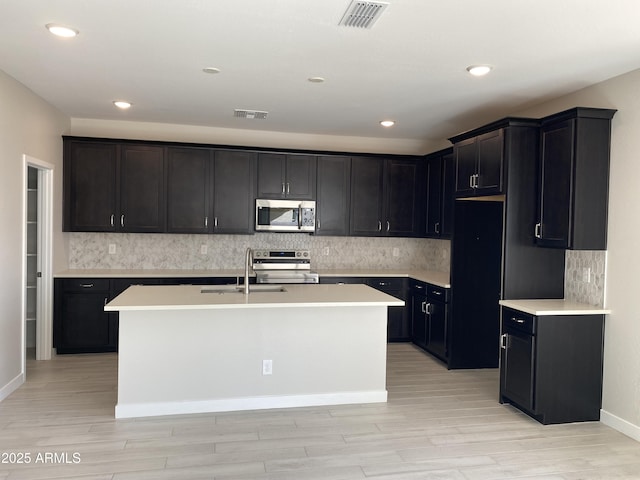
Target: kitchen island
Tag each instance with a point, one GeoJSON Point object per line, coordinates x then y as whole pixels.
{"type": "Point", "coordinates": [194, 348]}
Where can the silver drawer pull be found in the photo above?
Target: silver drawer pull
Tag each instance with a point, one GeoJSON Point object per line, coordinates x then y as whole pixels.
{"type": "Point", "coordinates": [86, 285]}
{"type": "Point", "coordinates": [517, 320]}
{"type": "Point", "coordinates": [436, 292]}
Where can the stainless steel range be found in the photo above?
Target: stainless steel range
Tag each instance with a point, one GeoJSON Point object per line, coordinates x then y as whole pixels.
{"type": "Point", "coordinates": [283, 266]}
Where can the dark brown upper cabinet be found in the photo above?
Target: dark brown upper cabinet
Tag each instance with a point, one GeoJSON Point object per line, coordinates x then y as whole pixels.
{"type": "Point", "coordinates": [90, 198]}
{"type": "Point", "coordinates": [386, 195]}
{"type": "Point", "coordinates": [210, 191]}
{"type": "Point", "coordinates": [332, 202]}
{"type": "Point", "coordinates": [110, 187]}
{"type": "Point", "coordinates": [480, 164]}
{"type": "Point", "coordinates": [189, 172]}
{"type": "Point", "coordinates": [286, 176]}
{"type": "Point", "coordinates": [574, 179]}
{"type": "Point", "coordinates": [440, 178]}
{"type": "Point", "coordinates": [234, 187]}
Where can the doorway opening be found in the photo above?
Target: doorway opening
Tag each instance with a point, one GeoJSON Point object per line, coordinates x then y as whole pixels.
{"type": "Point", "coordinates": [37, 260]}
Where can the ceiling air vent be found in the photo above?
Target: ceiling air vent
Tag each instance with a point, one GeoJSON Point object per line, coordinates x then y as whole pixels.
{"type": "Point", "coordinates": [362, 14]}
{"type": "Point", "coordinates": [251, 114]}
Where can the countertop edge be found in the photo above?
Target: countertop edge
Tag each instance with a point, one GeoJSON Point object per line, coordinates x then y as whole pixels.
{"type": "Point", "coordinates": [548, 307]}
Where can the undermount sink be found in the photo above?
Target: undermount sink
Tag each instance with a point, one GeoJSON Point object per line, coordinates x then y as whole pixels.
{"type": "Point", "coordinates": [220, 289]}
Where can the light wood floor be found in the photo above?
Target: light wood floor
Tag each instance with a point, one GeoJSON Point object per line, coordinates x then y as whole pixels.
{"type": "Point", "coordinates": [437, 425]}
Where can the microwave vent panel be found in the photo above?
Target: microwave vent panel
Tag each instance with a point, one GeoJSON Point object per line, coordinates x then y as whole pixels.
{"type": "Point", "coordinates": [250, 114]}
{"type": "Point", "coordinates": [362, 14]}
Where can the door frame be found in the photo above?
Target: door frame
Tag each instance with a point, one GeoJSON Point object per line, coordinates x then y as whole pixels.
{"type": "Point", "coordinates": [44, 295]}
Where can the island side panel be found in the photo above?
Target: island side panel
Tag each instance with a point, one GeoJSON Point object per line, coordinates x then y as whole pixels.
{"type": "Point", "coordinates": [188, 361]}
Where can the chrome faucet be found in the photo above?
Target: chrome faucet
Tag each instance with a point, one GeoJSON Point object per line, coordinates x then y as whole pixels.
{"type": "Point", "coordinates": [248, 259]}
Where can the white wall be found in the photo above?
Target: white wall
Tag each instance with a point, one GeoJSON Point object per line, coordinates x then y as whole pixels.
{"type": "Point", "coordinates": [621, 397]}
{"type": "Point", "coordinates": [28, 125]}
{"type": "Point", "coordinates": [254, 138]}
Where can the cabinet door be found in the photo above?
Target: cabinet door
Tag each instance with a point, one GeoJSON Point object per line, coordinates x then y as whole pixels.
{"type": "Point", "coordinates": [300, 182]}
{"type": "Point", "coordinates": [142, 196]}
{"type": "Point", "coordinates": [555, 188]}
{"type": "Point", "coordinates": [517, 365]}
{"type": "Point", "coordinates": [234, 191]}
{"type": "Point", "coordinates": [332, 203]}
{"type": "Point", "coordinates": [402, 190]}
{"type": "Point", "coordinates": [188, 187]}
{"type": "Point", "coordinates": [366, 196]}
{"type": "Point", "coordinates": [466, 154]}
{"type": "Point", "coordinates": [448, 196]}
{"type": "Point", "coordinates": [84, 324]}
{"type": "Point", "coordinates": [90, 187]}
{"type": "Point", "coordinates": [437, 337]}
{"type": "Point", "coordinates": [434, 196]}
{"type": "Point", "coordinates": [271, 175]}
{"type": "Point", "coordinates": [490, 162]}
{"type": "Point", "coordinates": [419, 320]}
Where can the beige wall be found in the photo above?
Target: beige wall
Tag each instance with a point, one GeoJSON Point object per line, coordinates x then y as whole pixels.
{"type": "Point", "coordinates": [621, 397]}
{"type": "Point", "coordinates": [29, 126]}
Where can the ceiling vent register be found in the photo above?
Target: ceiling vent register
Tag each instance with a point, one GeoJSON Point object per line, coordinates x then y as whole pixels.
{"type": "Point", "coordinates": [250, 114]}
{"type": "Point", "coordinates": [362, 14]}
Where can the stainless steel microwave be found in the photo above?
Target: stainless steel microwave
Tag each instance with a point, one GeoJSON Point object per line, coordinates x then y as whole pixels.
{"type": "Point", "coordinates": [285, 215]}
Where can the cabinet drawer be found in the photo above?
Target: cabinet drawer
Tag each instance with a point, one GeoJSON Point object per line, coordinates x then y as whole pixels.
{"type": "Point", "coordinates": [85, 285]}
{"type": "Point", "coordinates": [418, 288]}
{"type": "Point", "coordinates": [437, 294]}
{"type": "Point", "coordinates": [387, 283]}
{"type": "Point", "coordinates": [340, 280]}
{"type": "Point", "coordinates": [513, 319]}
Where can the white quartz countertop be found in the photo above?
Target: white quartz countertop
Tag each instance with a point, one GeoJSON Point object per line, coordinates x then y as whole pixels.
{"type": "Point", "coordinates": [440, 279]}
{"type": "Point", "coordinates": [186, 297]}
{"type": "Point", "coordinates": [541, 307]}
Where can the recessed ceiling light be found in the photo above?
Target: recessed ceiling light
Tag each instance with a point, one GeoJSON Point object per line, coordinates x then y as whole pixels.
{"type": "Point", "coordinates": [211, 70]}
{"type": "Point", "coordinates": [61, 30]}
{"type": "Point", "coordinates": [316, 79]}
{"type": "Point", "coordinates": [387, 123]}
{"type": "Point", "coordinates": [122, 104]}
{"type": "Point", "coordinates": [479, 70]}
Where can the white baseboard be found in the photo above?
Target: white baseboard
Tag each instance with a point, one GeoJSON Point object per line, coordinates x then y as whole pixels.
{"type": "Point", "coordinates": [617, 423]}
{"type": "Point", "coordinates": [11, 387]}
{"type": "Point", "coordinates": [247, 403]}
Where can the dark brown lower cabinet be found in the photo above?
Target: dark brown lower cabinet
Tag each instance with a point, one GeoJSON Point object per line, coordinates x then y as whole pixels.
{"type": "Point", "coordinates": [80, 324]}
{"type": "Point", "coordinates": [430, 318]}
{"type": "Point", "coordinates": [551, 365]}
{"type": "Point", "coordinates": [398, 317]}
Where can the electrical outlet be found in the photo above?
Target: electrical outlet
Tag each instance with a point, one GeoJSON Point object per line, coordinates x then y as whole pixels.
{"type": "Point", "coordinates": [112, 249]}
{"type": "Point", "coordinates": [586, 275]}
{"type": "Point", "coordinates": [203, 249]}
{"type": "Point", "coordinates": [396, 252]}
{"type": "Point", "coordinates": [267, 367]}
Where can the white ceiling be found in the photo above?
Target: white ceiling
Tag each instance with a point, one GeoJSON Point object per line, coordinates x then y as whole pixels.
{"type": "Point", "coordinates": [409, 67]}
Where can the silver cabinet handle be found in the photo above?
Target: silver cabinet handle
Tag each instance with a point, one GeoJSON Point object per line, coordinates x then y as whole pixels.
{"type": "Point", "coordinates": [538, 230]}
{"type": "Point", "coordinates": [215, 222]}
{"type": "Point", "coordinates": [122, 220]}
{"type": "Point", "coordinates": [437, 227]}
{"type": "Point", "coordinates": [476, 183]}
{"type": "Point", "coordinates": [105, 300]}
{"type": "Point", "coordinates": [420, 287]}
{"type": "Point", "coordinates": [318, 224]}
{"type": "Point", "coordinates": [517, 320]}
{"type": "Point", "coordinates": [287, 188]}
{"type": "Point", "coordinates": [206, 221]}
{"type": "Point", "coordinates": [112, 220]}
{"type": "Point", "coordinates": [503, 341]}
{"type": "Point", "coordinates": [379, 226]}
{"type": "Point", "coordinates": [428, 309]}
{"type": "Point", "coordinates": [283, 188]}
{"type": "Point", "coordinates": [388, 225]}
{"type": "Point", "coordinates": [424, 307]}
{"type": "Point", "coordinates": [299, 215]}
{"type": "Point", "coordinates": [436, 292]}
{"type": "Point", "coordinates": [471, 177]}
{"type": "Point", "coordinates": [86, 285]}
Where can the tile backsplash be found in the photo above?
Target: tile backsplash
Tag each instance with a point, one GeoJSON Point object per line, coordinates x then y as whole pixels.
{"type": "Point", "coordinates": [584, 276]}
{"type": "Point", "coordinates": [175, 251]}
{"type": "Point", "coordinates": [164, 251]}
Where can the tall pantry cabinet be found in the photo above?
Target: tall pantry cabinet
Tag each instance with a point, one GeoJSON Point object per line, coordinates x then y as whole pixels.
{"type": "Point", "coordinates": [494, 252]}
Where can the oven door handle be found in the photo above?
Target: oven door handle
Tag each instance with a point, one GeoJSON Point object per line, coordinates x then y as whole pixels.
{"type": "Point", "coordinates": [300, 217]}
